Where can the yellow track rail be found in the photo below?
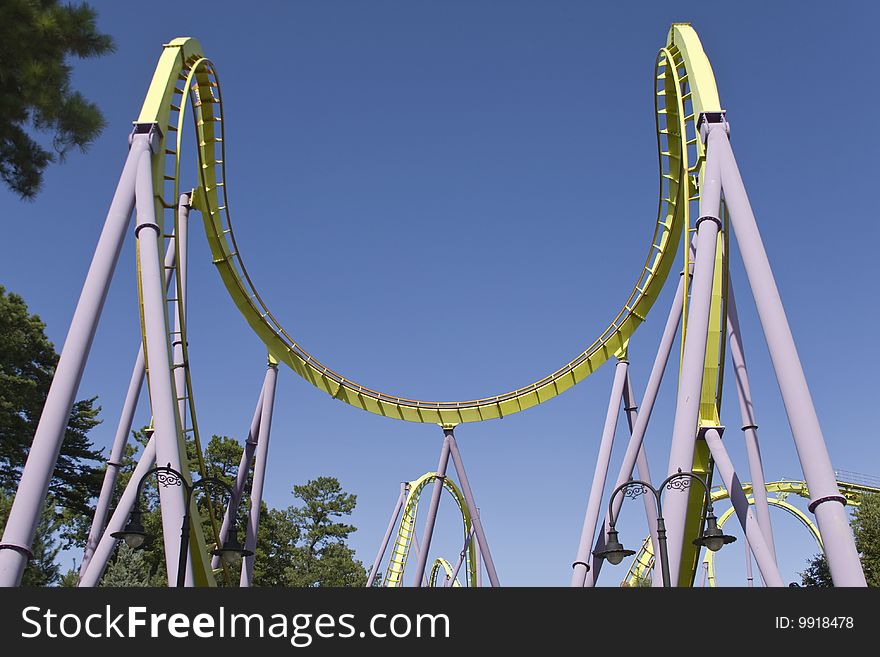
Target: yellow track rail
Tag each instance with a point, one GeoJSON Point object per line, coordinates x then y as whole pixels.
{"type": "Point", "coordinates": [684, 87]}
{"type": "Point", "coordinates": [446, 567]}
{"type": "Point", "coordinates": [643, 561]}
{"type": "Point", "coordinates": [183, 69]}
{"type": "Point", "coordinates": [406, 528]}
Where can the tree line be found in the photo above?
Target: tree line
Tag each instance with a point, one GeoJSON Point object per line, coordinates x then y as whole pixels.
{"type": "Point", "coordinates": [304, 544]}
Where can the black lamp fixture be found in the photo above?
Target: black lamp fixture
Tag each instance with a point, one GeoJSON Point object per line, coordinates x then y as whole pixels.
{"type": "Point", "coordinates": [713, 538]}
{"type": "Point", "coordinates": [232, 551]}
{"type": "Point", "coordinates": [614, 551]}
{"type": "Point", "coordinates": [133, 534]}
{"type": "Point", "coordinates": [135, 537]}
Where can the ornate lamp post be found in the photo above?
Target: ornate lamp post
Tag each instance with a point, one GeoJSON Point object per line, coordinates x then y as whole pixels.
{"type": "Point", "coordinates": [712, 539]}
{"type": "Point", "coordinates": [134, 534]}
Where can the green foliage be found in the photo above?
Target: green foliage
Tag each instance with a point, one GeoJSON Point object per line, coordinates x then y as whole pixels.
{"type": "Point", "coordinates": [27, 364]}
{"type": "Point", "coordinates": [37, 37]}
{"type": "Point", "coordinates": [297, 546]}
{"type": "Point", "coordinates": [866, 527]}
{"type": "Point", "coordinates": [129, 568]}
{"type": "Point", "coordinates": [865, 524]}
{"type": "Point", "coordinates": [817, 572]}
{"type": "Point", "coordinates": [42, 569]}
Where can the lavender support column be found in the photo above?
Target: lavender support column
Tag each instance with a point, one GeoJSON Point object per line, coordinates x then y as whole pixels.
{"type": "Point", "coordinates": [247, 569]}
{"type": "Point", "coordinates": [461, 557]}
{"type": "Point", "coordinates": [634, 447]}
{"type": "Point", "coordinates": [120, 440]}
{"type": "Point", "coordinates": [472, 508]}
{"type": "Point", "coordinates": [118, 519]}
{"type": "Point", "coordinates": [581, 562]}
{"type": "Point", "coordinates": [180, 319]}
{"type": "Point", "coordinates": [724, 466]}
{"type": "Point", "coordinates": [387, 537]}
{"type": "Point", "coordinates": [24, 515]}
{"type": "Point", "coordinates": [750, 424]}
{"type": "Point", "coordinates": [643, 472]}
{"type": "Point", "coordinates": [162, 394]}
{"type": "Point", "coordinates": [826, 501]}
{"type": "Point", "coordinates": [244, 466]}
{"type": "Point", "coordinates": [428, 534]}
{"type": "Point", "coordinates": [687, 407]}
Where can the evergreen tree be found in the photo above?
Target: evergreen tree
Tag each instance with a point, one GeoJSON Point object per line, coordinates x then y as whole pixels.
{"type": "Point", "coordinates": [27, 365]}
{"type": "Point", "coordinates": [865, 524]}
{"type": "Point", "coordinates": [128, 568]}
{"type": "Point", "coordinates": [41, 569]}
{"type": "Point", "coordinates": [37, 37]}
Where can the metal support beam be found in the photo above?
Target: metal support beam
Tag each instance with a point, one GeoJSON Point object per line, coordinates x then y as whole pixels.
{"type": "Point", "coordinates": [120, 440]}
{"type": "Point", "coordinates": [33, 486]}
{"type": "Point", "coordinates": [472, 508]}
{"type": "Point", "coordinates": [244, 466]}
{"type": "Point", "coordinates": [432, 510]}
{"type": "Point", "coordinates": [634, 447]}
{"type": "Point", "coordinates": [581, 562]}
{"type": "Point", "coordinates": [163, 397]}
{"type": "Point", "coordinates": [826, 501]}
{"type": "Point", "coordinates": [260, 462]}
{"type": "Point", "coordinates": [387, 537]}
{"type": "Point", "coordinates": [177, 358]}
{"type": "Point", "coordinates": [644, 473]}
{"type": "Point", "coordinates": [119, 518]}
{"type": "Point", "coordinates": [724, 466]}
{"type": "Point", "coordinates": [749, 423]}
{"type": "Point", "coordinates": [687, 407]}
{"type": "Point", "coordinates": [450, 581]}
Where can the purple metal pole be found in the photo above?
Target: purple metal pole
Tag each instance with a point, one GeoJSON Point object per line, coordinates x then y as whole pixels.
{"type": "Point", "coordinates": [750, 580]}
{"type": "Point", "coordinates": [763, 554]}
{"type": "Point", "coordinates": [644, 473]}
{"type": "Point", "coordinates": [37, 473]}
{"type": "Point", "coordinates": [387, 537]}
{"type": "Point", "coordinates": [161, 384]}
{"type": "Point", "coordinates": [118, 519]}
{"type": "Point", "coordinates": [826, 501]}
{"type": "Point", "coordinates": [432, 509]}
{"type": "Point", "coordinates": [179, 322]}
{"type": "Point", "coordinates": [687, 407]}
{"type": "Point", "coordinates": [417, 552]}
{"type": "Point", "coordinates": [750, 425]}
{"type": "Point", "coordinates": [247, 569]}
{"type": "Point", "coordinates": [637, 436]}
{"type": "Point", "coordinates": [705, 574]}
{"type": "Point", "coordinates": [472, 508]}
{"type": "Point", "coordinates": [244, 466]}
{"type": "Point", "coordinates": [581, 565]}
{"type": "Point", "coordinates": [451, 580]}
{"type": "Point", "coordinates": [123, 428]}
{"type": "Point", "coordinates": [478, 565]}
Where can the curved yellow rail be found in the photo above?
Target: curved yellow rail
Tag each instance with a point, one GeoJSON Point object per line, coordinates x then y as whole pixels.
{"type": "Point", "coordinates": [709, 559]}
{"type": "Point", "coordinates": [406, 528]}
{"type": "Point", "coordinates": [643, 561]}
{"type": "Point", "coordinates": [441, 564]}
{"type": "Point", "coordinates": [684, 86]}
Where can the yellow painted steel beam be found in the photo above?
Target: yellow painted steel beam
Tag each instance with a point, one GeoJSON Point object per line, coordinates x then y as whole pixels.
{"type": "Point", "coordinates": [643, 561]}
{"type": "Point", "coordinates": [405, 530]}
{"type": "Point", "coordinates": [441, 564]}
{"type": "Point", "coordinates": [182, 61]}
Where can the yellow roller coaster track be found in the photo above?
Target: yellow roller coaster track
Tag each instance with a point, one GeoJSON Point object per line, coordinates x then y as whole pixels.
{"type": "Point", "coordinates": [684, 87]}
{"type": "Point", "coordinates": [406, 528]}
{"type": "Point", "coordinates": [643, 562]}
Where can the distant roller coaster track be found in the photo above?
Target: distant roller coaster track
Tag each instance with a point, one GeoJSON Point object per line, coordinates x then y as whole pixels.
{"type": "Point", "coordinates": [684, 87]}
{"type": "Point", "coordinates": [643, 561]}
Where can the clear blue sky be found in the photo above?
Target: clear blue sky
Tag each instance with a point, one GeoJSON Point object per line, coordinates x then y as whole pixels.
{"type": "Point", "coordinates": [450, 200]}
